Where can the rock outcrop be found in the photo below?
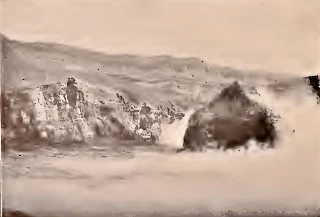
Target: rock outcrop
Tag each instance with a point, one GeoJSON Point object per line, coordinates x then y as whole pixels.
{"type": "Point", "coordinates": [315, 84]}
{"type": "Point", "coordinates": [231, 119]}
{"type": "Point", "coordinates": [61, 113]}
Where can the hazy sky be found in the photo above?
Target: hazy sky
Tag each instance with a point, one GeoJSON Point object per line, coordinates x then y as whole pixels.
{"type": "Point", "coordinates": [277, 35]}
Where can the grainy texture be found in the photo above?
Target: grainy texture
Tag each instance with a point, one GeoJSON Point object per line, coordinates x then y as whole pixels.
{"type": "Point", "coordinates": [175, 56]}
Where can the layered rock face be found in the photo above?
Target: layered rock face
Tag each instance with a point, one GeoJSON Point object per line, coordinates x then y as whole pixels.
{"type": "Point", "coordinates": [60, 113]}
{"type": "Point", "coordinates": [44, 114]}
{"type": "Point", "coordinates": [231, 119]}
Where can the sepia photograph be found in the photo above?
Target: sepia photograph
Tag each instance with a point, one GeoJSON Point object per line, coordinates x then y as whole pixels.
{"type": "Point", "coordinates": [175, 108]}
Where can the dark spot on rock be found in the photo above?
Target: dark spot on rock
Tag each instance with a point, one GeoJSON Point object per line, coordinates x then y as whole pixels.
{"type": "Point", "coordinates": [178, 86]}
{"type": "Point", "coordinates": [294, 131]}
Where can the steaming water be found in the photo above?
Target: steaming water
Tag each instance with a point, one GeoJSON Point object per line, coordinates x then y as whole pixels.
{"type": "Point", "coordinates": [82, 181]}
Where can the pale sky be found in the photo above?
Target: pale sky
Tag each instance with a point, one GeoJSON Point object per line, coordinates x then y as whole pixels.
{"type": "Point", "coordinates": [275, 35]}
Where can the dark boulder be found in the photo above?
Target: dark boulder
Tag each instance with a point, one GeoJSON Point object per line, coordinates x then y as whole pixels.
{"type": "Point", "coordinates": [195, 138]}
{"type": "Point", "coordinates": [315, 84]}
{"type": "Point", "coordinates": [231, 119]}
{"type": "Point", "coordinates": [233, 132]}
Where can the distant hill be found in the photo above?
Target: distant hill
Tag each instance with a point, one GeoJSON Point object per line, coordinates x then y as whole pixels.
{"type": "Point", "coordinates": [30, 64]}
